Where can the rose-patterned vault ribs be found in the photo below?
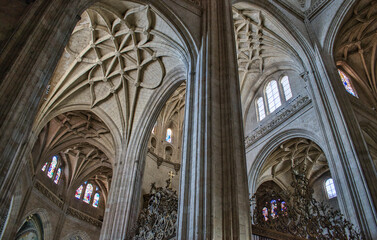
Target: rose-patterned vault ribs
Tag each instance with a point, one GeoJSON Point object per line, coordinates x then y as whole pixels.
{"type": "Point", "coordinates": [114, 60]}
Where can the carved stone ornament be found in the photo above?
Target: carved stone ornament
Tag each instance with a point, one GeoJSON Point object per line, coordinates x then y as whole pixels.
{"type": "Point", "coordinates": [301, 216]}
{"type": "Point", "coordinates": [158, 219]}
{"type": "Point", "coordinates": [296, 105]}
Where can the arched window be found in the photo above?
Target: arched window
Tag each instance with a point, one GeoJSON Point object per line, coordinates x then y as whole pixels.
{"type": "Point", "coordinates": [53, 170]}
{"type": "Point", "coordinates": [168, 135]}
{"type": "Point", "coordinates": [52, 167]}
{"type": "Point", "coordinates": [88, 188]}
{"type": "Point", "coordinates": [273, 209]}
{"type": "Point", "coordinates": [78, 192]}
{"type": "Point", "coordinates": [44, 167]}
{"type": "Point", "coordinates": [347, 83]}
{"type": "Point", "coordinates": [330, 188]}
{"type": "Point", "coordinates": [273, 97]}
{"type": "Point", "coordinates": [57, 176]}
{"type": "Point", "coordinates": [96, 200]}
{"type": "Point", "coordinates": [88, 193]}
{"type": "Point", "coordinates": [261, 112]}
{"type": "Point", "coordinates": [286, 87]}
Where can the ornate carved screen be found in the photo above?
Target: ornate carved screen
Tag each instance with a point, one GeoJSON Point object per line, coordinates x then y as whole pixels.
{"type": "Point", "coordinates": [299, 215]}
{"type": "Point", "coordinates": [158, 219]}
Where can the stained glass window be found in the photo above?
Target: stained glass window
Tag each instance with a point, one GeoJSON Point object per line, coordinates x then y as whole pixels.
{"type": "Point", "coordinates": [273, 97]}
{"type": "Point", "coordinates": [265, 213]}
{"type": "Point", "coordinates": [78, 192]}
{"type": "Point", "coordinates": [168, 135]}
{"type": "Point", "coordinates": [347, 83]}
{"type": "Point", "coordinates": [44, 167]}
{"type": "Point", "coordinates": [57, 176]}
{"type": "Point", "coordinates": [330, 188]}
{"type": "Point", "coordinates": [88, 193]}
{"type": "Point", "coordinates": [52, 167]}
{"type": "Point", "coordinates": [274, 212]}
{"type": "Point", "coordinates": [283, 207]}
{"type": "Point", "coordinates": [261, 112]}
{"type": "Point", "coordinates": [96, 200]}
{"type": "Point", "coordinates": [286, 87]}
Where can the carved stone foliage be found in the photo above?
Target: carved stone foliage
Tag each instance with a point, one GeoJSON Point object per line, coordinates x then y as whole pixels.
{"type": "Point", "coordinates": [301, 217]}
{"type": "Point", "coordinates": [356, 47]}
{"type": "Point", "coordinates": [117, 55]}
{"type": "Point", "coordinates": [158, 219]}
{"type": "Point", "coordinates": [262, 44]}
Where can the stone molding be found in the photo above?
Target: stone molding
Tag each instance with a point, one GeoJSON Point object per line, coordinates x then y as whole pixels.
{"type": "Point", "coordinates": [196, 2]}
{"type": "Point", "coordinates": [315, 8]}
{"type": "Point", "coordinates": [160, 160]}
{"type": "Point", "coordinates": [296, 105]}
{"type": "Point", "coordinates": [70, 211]}
{"type": "Point", "coordinates": [50, 195]}
{"type": "Point", "coordinates": [84, 217]}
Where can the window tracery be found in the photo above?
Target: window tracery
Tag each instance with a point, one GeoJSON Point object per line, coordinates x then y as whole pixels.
{"type": "Point", "coordinates": [330, 188]}
{"type": "Point", "coordinates": [53, 171]}
{"type": "Point", "coordinates": [90, 195]}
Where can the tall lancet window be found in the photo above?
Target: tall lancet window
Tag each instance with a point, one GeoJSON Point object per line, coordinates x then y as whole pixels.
{"type": "Point", "coordinates": [286, 87]}
{"type": "Point", "coordinates": [52, 167]}
{"type": "Point", "coordinates": [168, 135]}
{"type": "Point", "coordinates": [261, 111]}
{"type": "Point", "coordinates": [273, 97]}
{"type": "Point", "coordinates": [96, 200]}
{"type": "Point", "coordinates": [330, 188]}
{"type": "Point", "coordinates": [57, 176]}
{"type": "Point", "coordinates": [88, 193]}
{"type": "Point", "coordinates": [347, 83]}
{"type": "Point", "coordinates": [78, 192]}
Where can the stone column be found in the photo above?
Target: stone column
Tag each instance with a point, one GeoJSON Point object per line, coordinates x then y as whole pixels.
{"type": "Point", "coordinates": [213, 201]}
{"type": "Point", "coordinates": [27, 62]}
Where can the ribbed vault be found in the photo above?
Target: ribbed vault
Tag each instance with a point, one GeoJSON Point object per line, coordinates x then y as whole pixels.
{"type": "Point", "coordinates": [299, 155]}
